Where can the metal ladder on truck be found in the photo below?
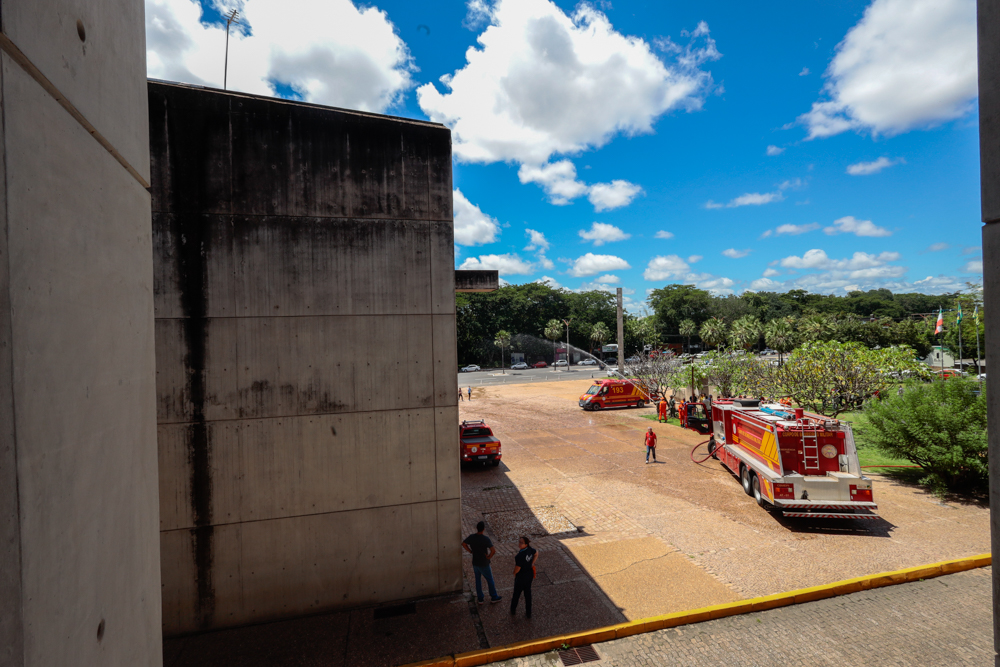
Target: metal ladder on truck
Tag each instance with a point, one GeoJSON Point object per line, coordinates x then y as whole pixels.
{"type": "Point", "coordinates": [810, 451]}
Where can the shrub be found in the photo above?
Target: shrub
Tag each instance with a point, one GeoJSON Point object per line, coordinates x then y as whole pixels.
{"type": "Point", "coordinates": [940, 426]}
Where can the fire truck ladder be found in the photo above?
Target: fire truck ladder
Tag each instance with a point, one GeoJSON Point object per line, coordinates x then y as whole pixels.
{"type": "Point", "coordinates": [810, 451]}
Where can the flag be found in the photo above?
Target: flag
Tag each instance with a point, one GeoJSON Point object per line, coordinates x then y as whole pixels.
{"type": "Point", "coordinates": [958, 320]}
{"type": "Point", "coordinates": [940, 322]}
{"type": "Point", "coordinates": [975, 316]}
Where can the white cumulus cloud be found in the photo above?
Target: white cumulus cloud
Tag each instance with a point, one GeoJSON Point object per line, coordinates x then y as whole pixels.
{"type": "Point", "coordinates": [664, 235]}
{"type": "Point", "coordinates": [774, 150]}
{"type": "Point", "coordinates": [617, 193]}
{"type": "Point", "coordinates": [591, 264]}
{"type": "Point", "coordinates": [975, 266]}
{"type": "Point", "coordinates": [906, 64]}
{"type": "Point", "coordinates": [327, 51]}
{"type": "Point", "coordinates": [818, 259]}
{"type": "Point", "coordinates": [873, 167]}
{"type": "Point", "coordinates": [537, 241]}
{"type": "Point", "coordinates": [938, 247]}
{"type": "Point", "coordinates": [733, 253]}
{"type": "Point", "coordinates": [665, 267]}
{"type": "Point", "coordinates": [607, 279]}
{"type": "Point", "coordinates": [551, 281]}
{"type": "Point", "coordinates": [601, 233]}
{"type": "Point", "coordinates": [472, 226]}
{"type": "Point", "coordinates": [506, 265]}
{"type": "Point", "coordinates": [541, 82]}
{"type": "Point", "coordinates": [749, 199]}
{"type": "Point", "coordinates": [851, 225]}
{"type": "Point", "coordinates": [770, 273]}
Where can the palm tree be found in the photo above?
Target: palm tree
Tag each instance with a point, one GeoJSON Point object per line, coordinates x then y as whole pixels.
{"type": "Point", "coordinates": [713, 331]}
{"type": "Point", "coordinates": [779, 336]}
{"type": "Point", "coordinates": [745, 332]}
{"type": "Point", "coordinates": [687, 329]}
{"type": "Point", "coordinates": [599, 334]}
{"type": "Point", "coordinates": [553, 329]}
{"type": "Point", "coordinates": [814, 327]}
{"type": "Point", "coordinates": [502, 340]}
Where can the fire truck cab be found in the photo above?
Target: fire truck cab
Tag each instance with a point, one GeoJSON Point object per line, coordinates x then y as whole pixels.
{"type": "Point", "coordinates": [801, 463]}
{"type": "Point", "coordinates": [614, 394]}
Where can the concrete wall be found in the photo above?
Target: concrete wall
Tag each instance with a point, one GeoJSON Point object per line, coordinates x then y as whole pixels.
{"type": "Point", "coordinates": [79, 547]}
{"type": "Point", "coordinates": [305, 347]}
{"type": "Point", "coordinates": [989, 152]}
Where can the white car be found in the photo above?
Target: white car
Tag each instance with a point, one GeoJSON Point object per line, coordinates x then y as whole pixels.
{"type": "Point", "coordinates": [471, 368]}
{"type": "Point", "coordinates": [588, 362]}
{"type": "Point", "coordinates": [561, 362]}
{"type": "Point", "coordinates": [519, 366]}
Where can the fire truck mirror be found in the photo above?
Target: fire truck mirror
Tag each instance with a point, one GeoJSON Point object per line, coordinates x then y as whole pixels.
{"type": "Point", "coordinates": [842, 460]}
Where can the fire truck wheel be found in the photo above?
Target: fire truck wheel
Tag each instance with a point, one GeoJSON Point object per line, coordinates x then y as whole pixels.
{"type": "Point", "coordinates": [640, 404]}
{"type": "Point", "coordinates": [757, 495]}
{"type": "Point", "coordinates": [745, 480]}
{"type": "Point", "coordinates": [595, 406]}
{"type": "Point", "coordinates": [711, 449]}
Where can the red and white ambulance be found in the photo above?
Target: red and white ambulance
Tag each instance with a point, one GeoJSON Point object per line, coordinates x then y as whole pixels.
{"type": "Point", "coordinates": [801, 463]}
{"type": "Point", "coordinates": [614, 393]}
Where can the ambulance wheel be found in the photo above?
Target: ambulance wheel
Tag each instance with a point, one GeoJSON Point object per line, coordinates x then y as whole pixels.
{"type": "Point", "coordinates": [757, 495]}
{"type": "Point", "coordinates": [745, 480]}
{"type": "Point", "coordinates": [596, 406]}
{"type": "Point", "coordinates": [640, 404]}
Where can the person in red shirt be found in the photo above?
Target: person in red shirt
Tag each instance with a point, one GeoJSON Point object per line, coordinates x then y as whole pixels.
{"type": "Point", "coordinates": [650, 444]}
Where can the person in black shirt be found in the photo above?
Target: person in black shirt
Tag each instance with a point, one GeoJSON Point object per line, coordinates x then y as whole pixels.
{"type": "Point", "coordinates": [524, 574]}
{"type": "Point", "coordinates": [482, 550]}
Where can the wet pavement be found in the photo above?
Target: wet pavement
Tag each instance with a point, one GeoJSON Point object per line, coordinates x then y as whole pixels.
{"type": "Point", "coordinates": [618, 540]}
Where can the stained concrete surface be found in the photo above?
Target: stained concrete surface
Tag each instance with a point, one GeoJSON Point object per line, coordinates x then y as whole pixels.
{"type": "Point", "coordinates": [305, 350]}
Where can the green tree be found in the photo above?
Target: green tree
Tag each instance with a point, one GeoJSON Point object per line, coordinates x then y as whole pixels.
{"type": "Point", "coordinates": [502, 341]}
{"type": "Point", "coordinates": [553, 330]}
{"type": "Point", "coordinates": [687, 328]}
{"type": "Point", "coordinates": [714, 332]}
{"type": "Point", "coordinates": [780, 336]}
{"type": "Point", "coordinates": [598, 334]}
{"type": "Point", "coordinates": [674, 303]}
{"type": "Point", "coordinates": [745, 332]}
{"type": "Point", "coordinates": [940, 426]}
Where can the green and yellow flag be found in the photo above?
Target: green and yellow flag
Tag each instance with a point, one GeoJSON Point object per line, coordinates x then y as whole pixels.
{"type": "Point", "coordinates": [959, 319]}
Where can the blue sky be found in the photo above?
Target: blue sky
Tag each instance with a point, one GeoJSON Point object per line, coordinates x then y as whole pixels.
{"type": "Point", "coordinates": [673, 108]}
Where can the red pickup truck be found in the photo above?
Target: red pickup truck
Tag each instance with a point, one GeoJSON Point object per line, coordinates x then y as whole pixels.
{"type": "Point", "coordinates": [478, 444]}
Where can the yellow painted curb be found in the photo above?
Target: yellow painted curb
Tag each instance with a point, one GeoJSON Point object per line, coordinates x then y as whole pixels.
{"type": "Point", "coordinates": [643, 625]}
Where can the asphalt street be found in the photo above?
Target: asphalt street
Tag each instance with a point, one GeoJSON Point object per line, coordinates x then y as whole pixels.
{"type": "Point", "coordinates": [495, 376]}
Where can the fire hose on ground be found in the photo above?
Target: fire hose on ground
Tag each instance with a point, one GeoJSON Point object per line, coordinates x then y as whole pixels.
{"type": "Point", "coordinates": [711, 451]}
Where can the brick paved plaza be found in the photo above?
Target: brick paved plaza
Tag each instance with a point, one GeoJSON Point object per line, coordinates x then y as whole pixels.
{"type": "Point", "coordinates": [943, 621]}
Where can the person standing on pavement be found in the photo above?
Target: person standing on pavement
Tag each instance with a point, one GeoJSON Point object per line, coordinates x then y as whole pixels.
{"type": "Point", "coordinates": [662, 412]}
{"type": "Point", "coordinates": [470, 392]}
{"type": "Point", "coordinates": [482, 550]}
{"type": "Point", "coordinates": [524, 573]}
{"type": "Point", "coordinates": [650, 444]}
{"type": "Point", "coordinates": [460, 396]}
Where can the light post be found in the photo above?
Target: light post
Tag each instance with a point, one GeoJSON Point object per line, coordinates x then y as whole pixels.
{"type": "Point", "coordinates": [231, 18]}
{"type": "Point", "coordinates": [566, 322]}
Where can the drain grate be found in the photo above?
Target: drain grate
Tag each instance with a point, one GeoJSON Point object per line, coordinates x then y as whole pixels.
{"type": "Point", "coordinates": [396, 610]}
{"type": "Point", "coordinates": [577, 656]}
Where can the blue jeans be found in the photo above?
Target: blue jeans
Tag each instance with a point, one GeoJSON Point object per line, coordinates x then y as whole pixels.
{"type": "Point", "coordinates": [486, 572]}
{"type": "Point", "coordinates": [650, 449]}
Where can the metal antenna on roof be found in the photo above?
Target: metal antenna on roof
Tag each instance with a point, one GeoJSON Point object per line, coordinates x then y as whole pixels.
{"type": "Point", "coordinates": [231, 18]}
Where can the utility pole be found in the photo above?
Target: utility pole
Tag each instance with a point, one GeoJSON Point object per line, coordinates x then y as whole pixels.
{"type": "Point", "coordinates": [621, 334]}
{"type": "Point", "coordinates": [566, 322]}
{"type": "Point", "coordinates": [231, 18]}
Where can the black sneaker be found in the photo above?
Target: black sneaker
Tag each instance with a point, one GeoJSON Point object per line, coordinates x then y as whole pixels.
{"type": "Point", "coordinates": [496, 599]}
{"type": "Point", "coordinates": [479, 601]}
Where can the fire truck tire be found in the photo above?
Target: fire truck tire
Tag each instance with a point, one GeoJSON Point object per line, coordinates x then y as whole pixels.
{"type": "Point", "coordinates": [711, 449]}
{"type": "Point", "coordinates": [745, 480]}
{"type": "Point", "coordinates": [757, 495]}
{"type": "Point", "coordinates": [595, 406]}
{"type": "Point", "coordinates": [640, 404]}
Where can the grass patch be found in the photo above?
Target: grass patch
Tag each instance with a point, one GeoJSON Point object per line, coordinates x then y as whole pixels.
{"type": "Point", "coordinates": [868, 455]}
{"type": "Point", "coordinates": [670, 420]}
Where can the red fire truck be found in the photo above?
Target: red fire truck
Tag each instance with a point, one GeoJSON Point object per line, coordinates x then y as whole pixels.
{"type": "Point", "coordinates": [799, 463]}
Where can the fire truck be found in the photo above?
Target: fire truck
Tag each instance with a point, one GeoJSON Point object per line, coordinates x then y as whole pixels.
{"type": "Point", "coordinates": [478, 444]}
{"type": "Point", "coordinates": [614, 394]}
{"type": "Point", "coordinates": [796, 462]}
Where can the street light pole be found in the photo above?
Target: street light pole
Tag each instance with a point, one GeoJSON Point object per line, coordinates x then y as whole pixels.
{"type": "Point", "coordinates": [566, 322]}
{"type": "Point", "coordinates": [231, 18]}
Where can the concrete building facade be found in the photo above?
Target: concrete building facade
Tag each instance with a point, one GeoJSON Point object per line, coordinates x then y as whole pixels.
{"type": "Point", "coordinates": [79, 544]}
{"type": "Point", "coordinates": [305, 357]}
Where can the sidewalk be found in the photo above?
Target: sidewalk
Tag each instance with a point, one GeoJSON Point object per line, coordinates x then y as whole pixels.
{"type": "Point", "coordinates": [942, 621]}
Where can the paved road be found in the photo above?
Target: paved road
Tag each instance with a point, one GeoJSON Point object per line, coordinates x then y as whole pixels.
{"type": "Point", "coordinates": [495, 376]}
{"type": "Point", "coordinates": [943, 621]}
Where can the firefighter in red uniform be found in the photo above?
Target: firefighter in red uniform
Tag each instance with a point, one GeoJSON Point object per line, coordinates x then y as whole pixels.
{"type": "Point", "coordinates": [650, 444]}
{"type": "Point", "coordinates": [663, 409]}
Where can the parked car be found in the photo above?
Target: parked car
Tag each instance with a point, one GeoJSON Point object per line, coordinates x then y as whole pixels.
{"type": "Point", "coordinates": [478, 444]}
{"type": "Point", "coordinates": [588, 362]}
{"type": "Point", "coordinates": [561, 362]}
{"type": "Point", "coordinates": [471, 368]}
{"type": "Point", "coordinates": [519, 366]}
{"type": "Point", "coordinates": [539, 364]}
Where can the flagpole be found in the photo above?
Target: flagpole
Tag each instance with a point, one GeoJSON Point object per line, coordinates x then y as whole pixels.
{"type": "Point", "coordinates": [975, 317]}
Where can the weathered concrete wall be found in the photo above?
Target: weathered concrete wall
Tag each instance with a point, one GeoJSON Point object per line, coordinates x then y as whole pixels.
{"type": "Point", "coordinates": [79, 546]}
{"type": "Point", "coordinates": [305, 345]}
{"type": "Point", "coordinates": [477, 281]}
